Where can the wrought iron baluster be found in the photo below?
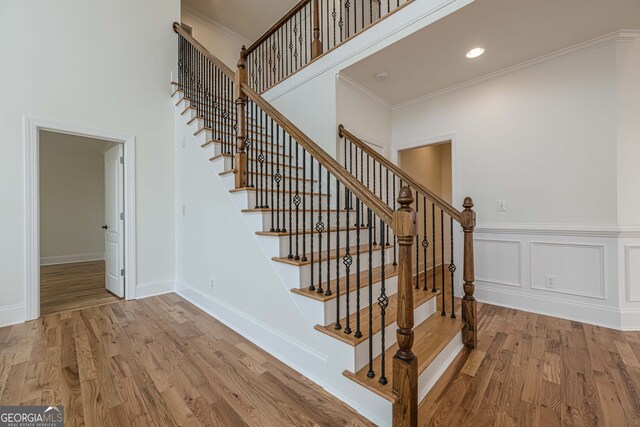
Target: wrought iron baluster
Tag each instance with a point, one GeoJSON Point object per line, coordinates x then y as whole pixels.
{"type": "Point", "coordinates": [303, 258]}
{"type": "Point", "coordinates": [290, 210]}
{"type": "Point", "coordinates": [370, 373]}
{"type": "Point", "coordinates": [433, 243]}
{"type": "Point", "coordinates": [417, 248]}
{"type": "Point", "coordinates": [328, 291]}
{"type": "Point", "coordinates": [383, 302]}
{"type": "Point", "coordinates": [337, 326]}
{"type": "Point", "coordinates": [347, 261]}
{"type": "Point", "coordinates": [320, 229]}
{"type": "Point", "coordinates": [312, 287]}
{"type": "Point", "coordinates": [358, 333]}
{"type": "Point", "coordinates": [444, 311]}
{"type": "Point", "coordinates": [395, 239]}
{"type": "Point", "coordinates": [296, 201]}
{"type": "Point", "coordinates": [425, 242]}
{"type": "Point", "coordinates": [452, 270]}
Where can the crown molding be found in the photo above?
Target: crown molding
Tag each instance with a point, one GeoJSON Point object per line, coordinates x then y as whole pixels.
{"type": "Point", "coordinates": [207, 19]}
{"type": "Point", "coordinates": [347, 81]}
{"type": "Point", "coordinates": [621, 36]}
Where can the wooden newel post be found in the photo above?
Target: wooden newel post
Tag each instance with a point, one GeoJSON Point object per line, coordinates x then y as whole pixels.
{"type": "Point", "coordinates": [469, 305]}
{"type": "Point", "coordinates": [316, 44]}
{"type": "Point", "coordinates": [405, 363]}
{"type": "Point", "coordinates": [241, 120]}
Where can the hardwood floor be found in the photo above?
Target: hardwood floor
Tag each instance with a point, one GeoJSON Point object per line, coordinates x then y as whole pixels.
{"type": "Point", "coordinates": [66, 287]}
{"type": "Point", "coordinates": [159, 361]}
{"type": "Point", "coordinates": [535, 370]}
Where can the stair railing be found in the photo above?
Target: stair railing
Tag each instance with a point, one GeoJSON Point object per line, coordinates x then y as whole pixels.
{"type": "Point", "coordinates": [375, 171]}
{"type": "Point", "coordinates": [310, 29]}
{"type": "Point", "coordinates": [311, 200]}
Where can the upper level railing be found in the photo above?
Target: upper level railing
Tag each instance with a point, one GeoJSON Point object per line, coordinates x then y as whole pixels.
{"type": "Point", "coordinates": [309, 30]}
{"type": "Point", "coordinates": [313, 202]}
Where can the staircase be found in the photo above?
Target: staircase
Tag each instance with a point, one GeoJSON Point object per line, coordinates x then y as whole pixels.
{"type": "Point", "coordinates": [341, 237]}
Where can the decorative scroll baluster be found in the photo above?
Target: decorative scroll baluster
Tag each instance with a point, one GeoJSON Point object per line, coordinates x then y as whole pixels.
{"type": "Point", "coordinates": [425, 243]}
{"type": "Point", "coordinates": [296, 202]}
{"type": "Point", "coordinates": [383, 303]}
{"type": "Point", "coordinates": [290, 209]}
{"type": "Point", "coordinates": [320, 229]}
{"type": "Point", "coordinates": [347, 260]}
{"type": "Point", "coordinates": [452, 270]}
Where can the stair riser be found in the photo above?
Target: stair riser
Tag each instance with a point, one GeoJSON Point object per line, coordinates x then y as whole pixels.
{"type": "Point", "coordinates": [252, 201]}
{"type": "Point", "coordinates": [330, 307]}
{"type": "Point", "coordinates": [305, 270]}
{"type": "Point", "coordinates": [309, 219]}
{"type": "Point", "coordinates": [324, 312]}
{"type": "Point", "coordinates": [229, 182]}
{"type": "Point", "coordinates": [282, 243]}
{"type": "Point", "coordinates": [356, 357]}
{"type": "Point", "coordinates": [225, 165]}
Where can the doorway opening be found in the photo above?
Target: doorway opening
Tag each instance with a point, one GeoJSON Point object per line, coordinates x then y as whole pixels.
{"type": "Point", "coordinates": [431, 165]}
{"type": "Point", "coordinates": [81, 234]}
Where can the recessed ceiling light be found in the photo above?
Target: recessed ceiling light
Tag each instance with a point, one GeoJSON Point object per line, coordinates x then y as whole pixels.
{"type": "Point", "coordinates": [382, 75]}
{"type": "Point", "coordinates": [475, 52]}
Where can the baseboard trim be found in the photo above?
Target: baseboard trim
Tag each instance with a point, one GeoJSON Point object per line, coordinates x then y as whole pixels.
{"type": "Point", "coordinates": [592, 314]}
{"type": "Point", "coordinates": [13, 314]}
{"type": "Point", "coordinates": [69, 259]}
{"type": "Point", "coordinates": [150, 289]}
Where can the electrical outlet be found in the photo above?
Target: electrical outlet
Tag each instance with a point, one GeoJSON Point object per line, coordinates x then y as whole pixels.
{"type": "Point", "coordinates": [502, 205]}
{"type": "Point", "coordinates": [550, 281]}
{"type": "Point", "coordinates": [212, 286]}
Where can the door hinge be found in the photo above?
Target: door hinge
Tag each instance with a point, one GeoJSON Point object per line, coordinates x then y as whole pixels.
{"type": "Point", "coordinates": [122, 272]}
{"type": "Point", "coordinates": [122, 160]}
{"type": "Point", "coordinates": [122, 216]}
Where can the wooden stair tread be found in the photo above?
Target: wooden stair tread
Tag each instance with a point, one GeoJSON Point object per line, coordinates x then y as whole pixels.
{"type": "Point", "coordinates": [390, 271]}
{"type": "Point", "coordinates": [309, 231]}
{"type": "Point", "coordinates": [430, 338]}
{"type": "Point", "coordinates": [232, 171]}
{"type": "Point", "coordinates": [319, 257]}
{"type": "Point", "coordinates": [217, 156]}
{"type": "Point", "coordinates": [236, 190]}
{"type": "Point", "coordinates": [419, 297]}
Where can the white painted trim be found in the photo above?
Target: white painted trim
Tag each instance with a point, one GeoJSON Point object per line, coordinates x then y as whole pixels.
{"type": "Point", "coordinates": [539, 287]}
{"type": "Point", "coordinates": [592, 314]}
{"type": "Point", "coordinates": [13, 314]}
{"type": "Point", "coordinates": [624, 36]}
{"type": "Point", "coordinates": [437, 139]}
{"type": "Point", "coordinates": [70, 259]}
{"type": "Point", "coordinates": [627, 261]}
{"type": "Point", "coordinates": [347, 81]}
{"type": "Point", "coordinates": [31, 130]}
{"type": "Point", "coordinates": [518, 243]}
{"type": "Point", "coordinates": [580, 230]}
{"type": "Point", "coordinates": [159, 287]}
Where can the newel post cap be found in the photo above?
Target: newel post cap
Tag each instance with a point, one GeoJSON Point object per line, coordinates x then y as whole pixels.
{"type": "Point", "coordinates": [468, 215]}
{"type": "Point", "coordinates": [241, 61]}
{"type": "Point", "coordinates": [404, 219]}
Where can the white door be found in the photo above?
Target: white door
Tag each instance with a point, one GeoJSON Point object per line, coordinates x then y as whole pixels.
{"type": "Point", "coordinates": [114, 222]}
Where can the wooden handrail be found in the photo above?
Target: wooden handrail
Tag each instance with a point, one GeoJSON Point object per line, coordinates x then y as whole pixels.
{"type": "Point", "coordinates": [351, 183]}
{"type": "Point", "coordinates": [431, 196]}
{"type": "Point", "coordinates": [295, 9]}
{"type": "Point", "coordinates": [221, 65]}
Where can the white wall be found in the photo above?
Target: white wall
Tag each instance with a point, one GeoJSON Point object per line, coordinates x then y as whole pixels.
{"type": "Point", "coordinates": [216, 38]}
{"type": "Point", "coordinates": [100, 65]}
{"type": "Point", "coordinates": [313, 89]}
{"type": "Point", "coordinates": [546, 139]}
{"type": "Point", "coordinates": [72, 198]}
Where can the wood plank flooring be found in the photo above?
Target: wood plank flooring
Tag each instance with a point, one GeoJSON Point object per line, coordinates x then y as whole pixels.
{"type": "Point", "coordinates": [66, 287]}
{"type": "Point", "coordinates": [535, 370]}
{"type": "Point", "coordinates": [159, 361]}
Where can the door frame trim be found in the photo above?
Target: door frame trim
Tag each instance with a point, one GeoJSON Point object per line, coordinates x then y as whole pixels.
{"type": "Point", "coordinates": [31, 135]}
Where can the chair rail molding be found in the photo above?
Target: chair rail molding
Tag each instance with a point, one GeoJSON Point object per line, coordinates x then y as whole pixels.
{"type": "Point", "coordinates": [31, 130]}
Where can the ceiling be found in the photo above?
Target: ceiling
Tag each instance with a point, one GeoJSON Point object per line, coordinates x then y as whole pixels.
{"type": "Point", "coordinates": [249, 18]}
{"type": "Point", "coordinates": [511, 31]}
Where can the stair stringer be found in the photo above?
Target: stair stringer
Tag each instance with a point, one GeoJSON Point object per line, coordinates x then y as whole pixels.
{"type": "Point", "coordinates": [310, 359]}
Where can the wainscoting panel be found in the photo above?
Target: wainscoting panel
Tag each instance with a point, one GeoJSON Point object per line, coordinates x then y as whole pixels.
{"type": "Point", "coordinates": [632, 273]}
{"type": "Point", "coordinates": [576, 269]}
{"type": "Point", "coordinates": [499, 261]}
